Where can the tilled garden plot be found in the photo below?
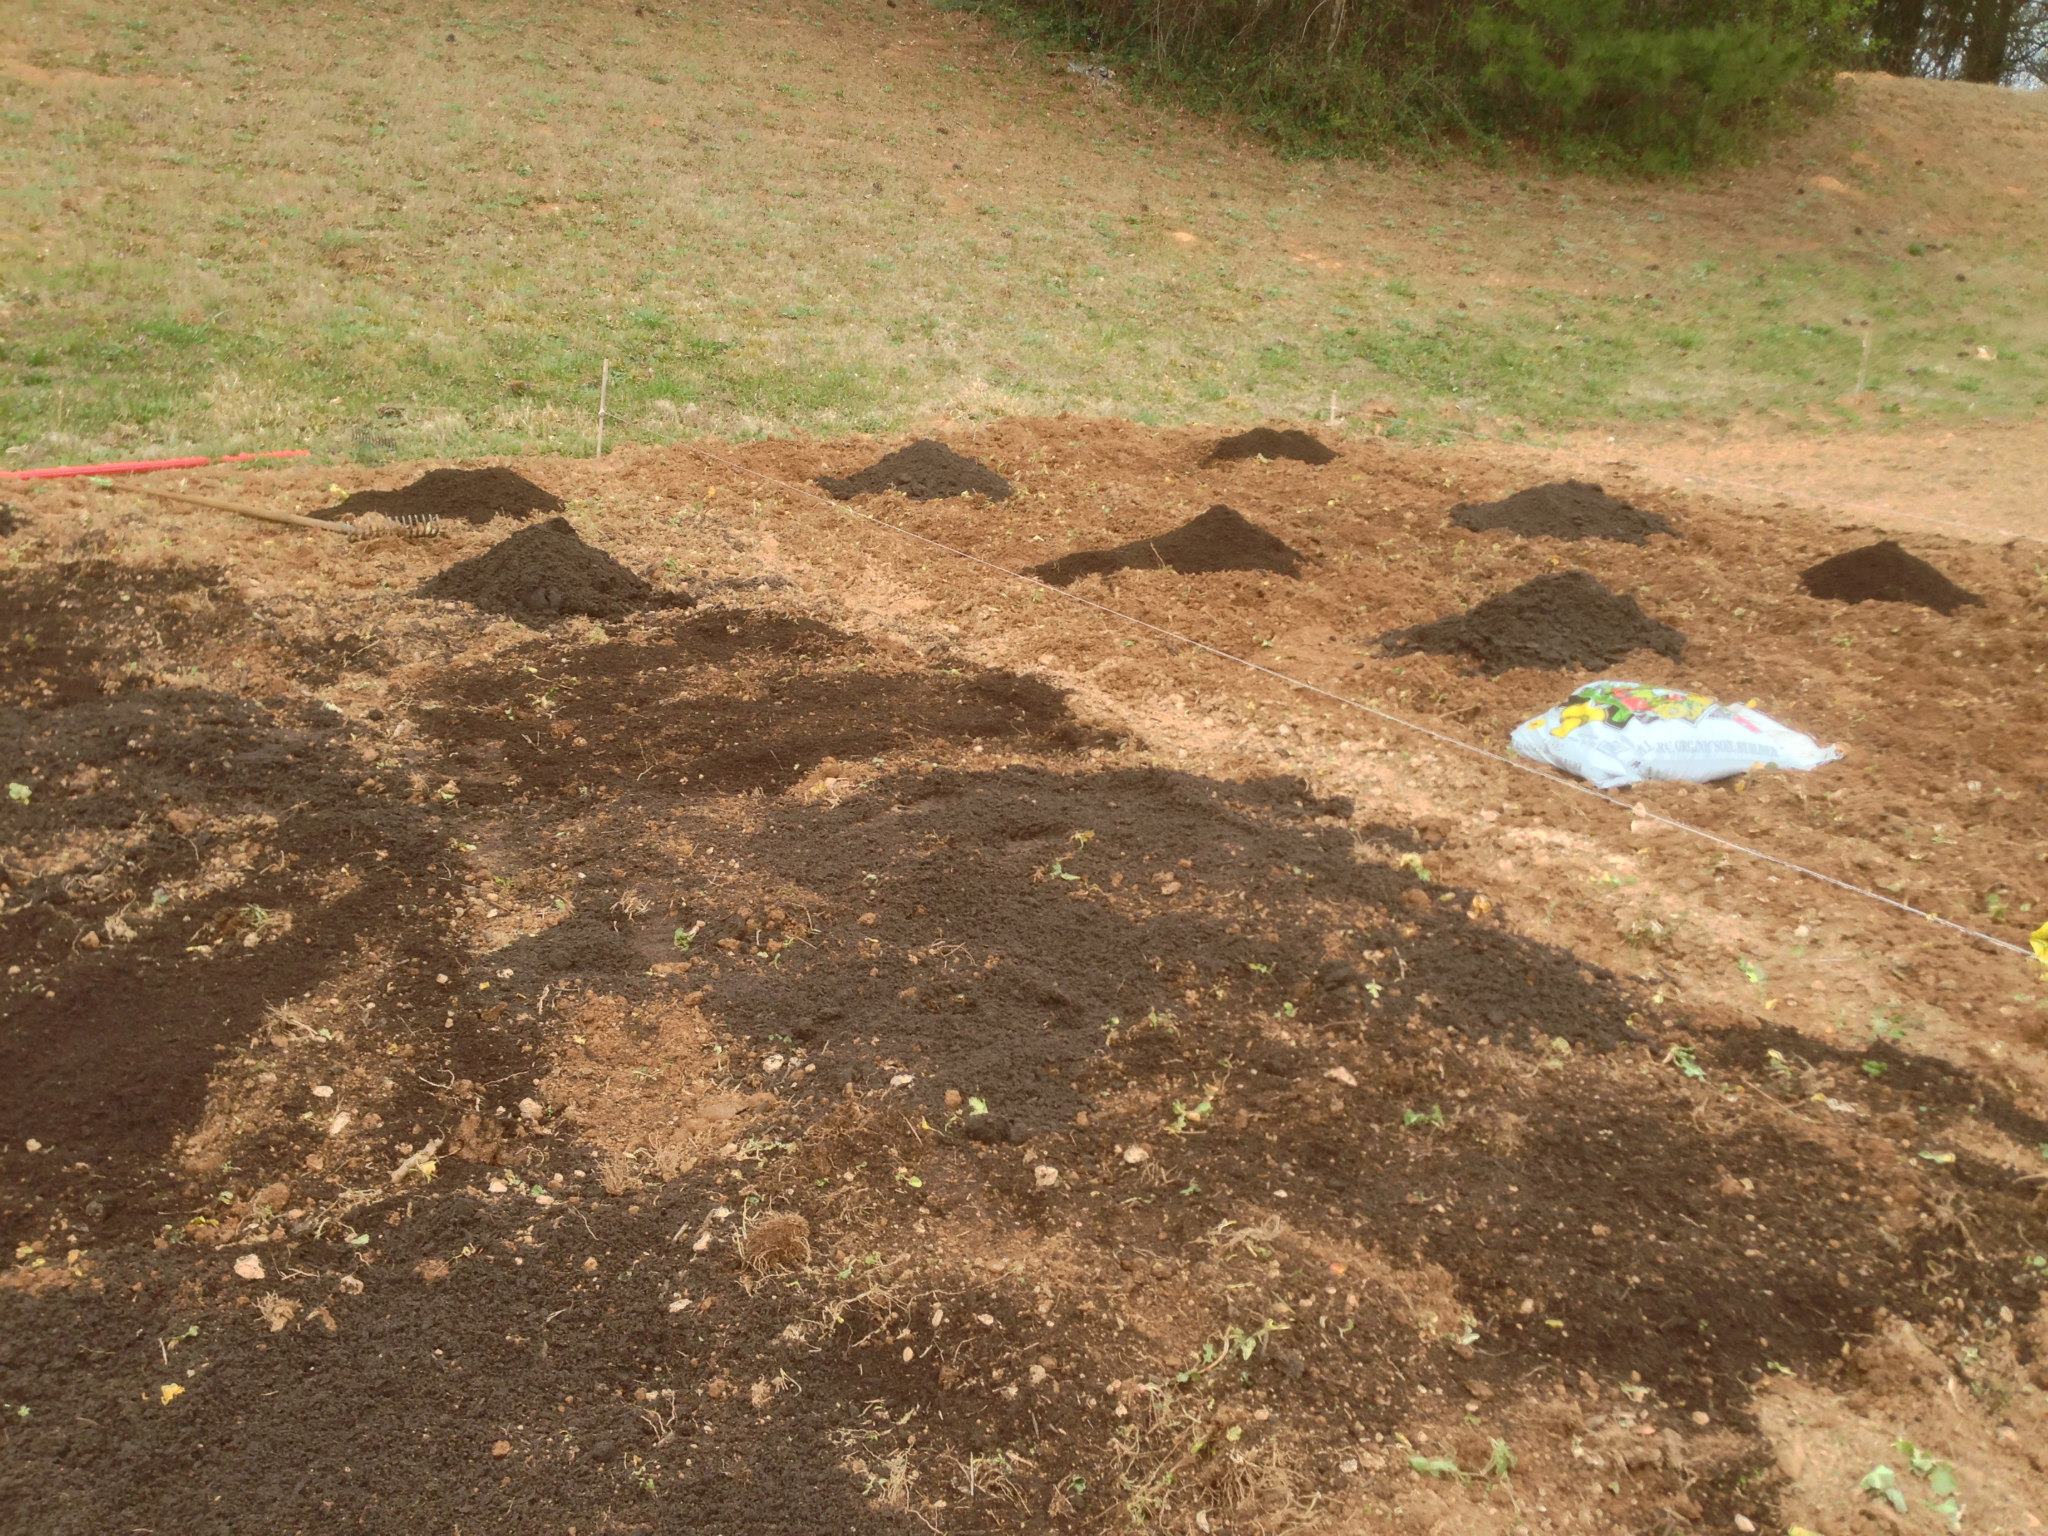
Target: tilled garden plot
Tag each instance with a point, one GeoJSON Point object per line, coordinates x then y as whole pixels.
{"type": "Point", "coordinates": [791, 1063]}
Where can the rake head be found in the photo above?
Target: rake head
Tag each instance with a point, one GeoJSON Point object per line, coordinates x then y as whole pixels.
{"type": "Point", "coordinates": [407, 525]}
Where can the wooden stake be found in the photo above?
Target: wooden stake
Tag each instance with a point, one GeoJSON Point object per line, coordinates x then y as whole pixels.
{"type": "Point", "coordinates": [604, 386]}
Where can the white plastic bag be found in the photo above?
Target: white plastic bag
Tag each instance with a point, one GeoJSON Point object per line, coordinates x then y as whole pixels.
{"type": "Point", "coordinates": [1614, 734]}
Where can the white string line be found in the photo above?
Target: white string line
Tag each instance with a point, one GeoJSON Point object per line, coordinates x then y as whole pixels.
{"type": "Point", "coordinates": [1418, 727]}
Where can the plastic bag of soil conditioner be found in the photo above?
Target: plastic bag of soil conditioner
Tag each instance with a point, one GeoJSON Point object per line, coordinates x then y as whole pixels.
{"type": "Point", "coordinates": [1614, 734]}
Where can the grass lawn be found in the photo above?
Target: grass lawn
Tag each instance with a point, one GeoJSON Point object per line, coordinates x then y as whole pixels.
{"type": "Point", "coordinates": [382, 233]}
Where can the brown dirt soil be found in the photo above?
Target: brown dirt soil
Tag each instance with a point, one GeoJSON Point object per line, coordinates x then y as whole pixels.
{"type": "Point", "coordinates": [926, 470]}
{"type": "Point", "coordinates": [1563, 621]}
{"type": "Point", "coordinates": [1271, 443]}
{"type": "Point", "coordinates": [891, 1053]}
{"type": "Point", "coordinates": [1883, 573]}
{"type": "Point", "coordinates": [473, 496]}
{"type": "Point", "coordinates": [1220, 539]}
{"type": "Point", "coordinates": [1563, 509]}
{"type": "Point", "coordinates": [1974, 482]}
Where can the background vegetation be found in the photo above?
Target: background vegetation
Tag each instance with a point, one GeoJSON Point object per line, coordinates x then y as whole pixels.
{"type": "Point", "coordinates": [1654, 84]}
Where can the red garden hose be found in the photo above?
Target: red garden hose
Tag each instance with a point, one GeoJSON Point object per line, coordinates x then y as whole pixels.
{"type": "Point", "coordinates": [144, 466]}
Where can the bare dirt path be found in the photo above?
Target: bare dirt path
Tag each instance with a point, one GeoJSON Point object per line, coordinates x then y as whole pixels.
{"type": "Point", "coordinates": [1969, 481]}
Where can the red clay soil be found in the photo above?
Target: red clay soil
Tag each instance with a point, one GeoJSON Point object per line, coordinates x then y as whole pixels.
{"type": "Point", "coordinates": [1269, 443]}
{"type": "Point", "coordinates": [473, 496]}
{"type": "Point", "coordinates": [1220, 539]}
{"type": "Point", "coordinates": [927, 470]}
{"type": "Point", "coordinates": [1563, 509]}
{"type": "Point", "coordinates": [545, 573]}
{"type": "Point", "coordinates": [1884, 573]}
{"type": "Point", "coordinates": [1564, 621]}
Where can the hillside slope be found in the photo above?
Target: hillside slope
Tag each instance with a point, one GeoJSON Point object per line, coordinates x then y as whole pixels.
{"type": "Point", "coordinates": [381, 235]}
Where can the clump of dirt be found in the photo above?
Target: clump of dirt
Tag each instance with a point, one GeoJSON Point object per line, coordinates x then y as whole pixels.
{"type": "Point", "coordinates": [927, 470]}
{"type": "Point", "coordinates": [544, 573]}
{"type": "Point", "coordinates": [779, 1240]}
{"type": "Point", "coordinates": [1884, 573]}
{"type": "Point", "coordinates": [474, 496]}
{"type": "Point", "coordinates": [1563, 621]}
{"type": "Point", "coordinates": [10, 519]}
{"type": "Point", "coordinates": [1220, 539]}
{"type": "Point", "coordinates": [1269, 443]}
{"type": "Point", "coordinates": [1563, 509]}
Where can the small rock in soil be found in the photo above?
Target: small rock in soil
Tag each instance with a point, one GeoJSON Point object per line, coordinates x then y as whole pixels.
{"type": "Point", "coordinates": [1884, 573]}
{"type": "Point", "coordinates": [1566, 620]}
{"type": "Point", "coordinates": [1564, 509]}
{"type": "Point", "coordinates": [1268, 443]}
{"type": "Point", "coordinates": [927, 470]}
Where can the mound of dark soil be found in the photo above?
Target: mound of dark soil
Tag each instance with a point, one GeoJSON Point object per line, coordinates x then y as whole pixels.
{"type": "Point", "coordinates": [1220, 539]}
{"type": "Point", "coordinates": [78, 629]}
{"type": "Point", "coordinates": [1267, 443]}
{"type": "Point", "coordinates": [455, 495]}
{"type": "Point", "coordinates": [1036, 938]}
{"type": "Point", "coordinates": [1884, 573]}
{"type": "Point", "coordinates": [1563, 509]}
{"type": "Point", "coordinates": [544, 573]}
{"type": "Point", "coordinates": [925, 471]}
{"type": "Point", "coordinates": [617, 1405]}
{"type": "Point", "coordinates": [123, 978]}
{"type": "Point", "coordinates": [1564, 621]}
{"type": "Point", "coordinates": [693, 697]}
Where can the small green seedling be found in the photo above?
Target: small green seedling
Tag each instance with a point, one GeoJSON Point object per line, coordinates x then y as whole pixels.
{"type": "Point", "coordinates": [1881, 1482]}
{"type": "Point", "coordinates": [1188, 1117]}
{"type": "Point", "coordinates": [1433, 1116]}
{"type": "Point", "coordinates": [1436, 1466]}
{"type": "Point", "coordinates": [19, 793]}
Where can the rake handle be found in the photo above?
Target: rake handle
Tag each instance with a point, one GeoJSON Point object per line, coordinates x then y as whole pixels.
{"type": "Point", "coordinates": [262, 514]}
